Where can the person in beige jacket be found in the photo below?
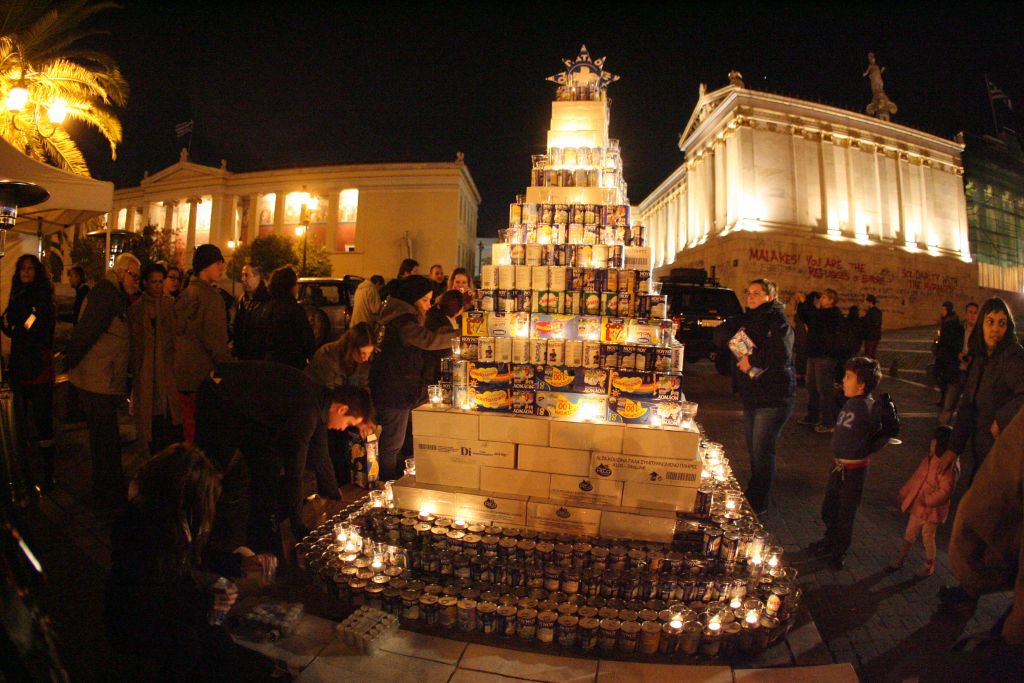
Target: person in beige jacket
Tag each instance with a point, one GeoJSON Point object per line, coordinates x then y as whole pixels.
{"type": "Point", "coordinates": [202, 331]}
{"type": "Point", "coordinates": [96, 358]}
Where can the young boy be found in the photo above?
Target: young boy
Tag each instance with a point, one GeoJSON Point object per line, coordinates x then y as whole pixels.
{"type": "Point", "coordinates": [852, 444]}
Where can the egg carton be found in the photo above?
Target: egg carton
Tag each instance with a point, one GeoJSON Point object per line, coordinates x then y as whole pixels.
{"type": "Point", "coordinates": [366, 628]}
{"type": "Point", "coordinates": [270, 621]}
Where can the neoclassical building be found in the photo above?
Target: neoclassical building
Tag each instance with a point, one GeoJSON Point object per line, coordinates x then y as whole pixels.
{"type": "Point", "coordinates": [368, 216]}
{"type": "Point", "coordinates": [815, 196]}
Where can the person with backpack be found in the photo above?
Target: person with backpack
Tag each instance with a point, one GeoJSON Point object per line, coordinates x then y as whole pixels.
{"type": "Point", "coordinates": [824, 348]}
{"type": "Point", "coordinates": [857, 435]}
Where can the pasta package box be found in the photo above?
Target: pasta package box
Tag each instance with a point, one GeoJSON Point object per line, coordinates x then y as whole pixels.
{"type": "Point", "coordinates": [491, 398]}
{"type": "Point", "coordinates": [484, 375]}
{"type": "Point", "coordinates": [613, 330]}
{"type": "Point", "coordinates": [523, 401]}
{"type": "Point", "coordinates": [507, 324]}
{"type": "Point", "coordinates": [670, 386]}
{"type": "Point", "coordinates": [455, 424]}
{"type": "Point", "coordinates": [634, 411]}
{"type": "Point", "coordinates": [633, 384]}
{"type": "Point", "coordinates": [591, 381]}
{"type": "Point", "coordinates": [646, 469]}
{"type": "Point", "coordinates": [557, 378]}
{"type": "Point", "coordinates": [555, 326]}
{"type": "Point", "coordinates": [553, 516]}
{"type": "Point", "coordinates": [474, 323]}
{"type": "Point", "coordinates": [570, 405]}
{"type": "Point", "coordinates": [523, 376]}
{"type": "Point", "coordinates": [491, 453]}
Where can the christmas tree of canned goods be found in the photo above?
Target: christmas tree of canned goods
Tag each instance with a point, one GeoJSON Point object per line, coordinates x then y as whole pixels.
{"type": "Point", "coordinates": [568, 323]}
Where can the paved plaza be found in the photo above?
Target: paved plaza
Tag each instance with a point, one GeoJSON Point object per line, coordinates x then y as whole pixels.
{"type": "Point", "coordinates": [879, 622]}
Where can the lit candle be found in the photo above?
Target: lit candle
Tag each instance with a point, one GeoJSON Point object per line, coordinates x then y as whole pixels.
{"type": "Point", "coordinates": [377, 564]}
{"type": "Point", "coordinates": [755, 565]}
{"type": "Point", "coordinates": [426, 513]}
{"type": "Point", "coordinates": [752, 616]}
{"type": "Point", "coordinates": [735, 603]}
{"type": "Point", "coordinates": [730, 504]}
{"type": "Point", "coordinates": [466, 405]}
{"type": "Point", "coordinates": [459, 524]}
{"type": "Point", "coordinates": [676, 623]}
{"type": "Point", "coordinates": [656, 420]}
{"type": "Point", "coordinates": [773, 561]}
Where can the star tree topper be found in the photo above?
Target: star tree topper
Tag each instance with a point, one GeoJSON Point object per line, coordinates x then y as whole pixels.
{"type": "Point", "coordinates": [584, 70]}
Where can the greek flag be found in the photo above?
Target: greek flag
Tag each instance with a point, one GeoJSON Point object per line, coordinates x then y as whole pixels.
{"type": "Point", "coordinates": [184, 128]}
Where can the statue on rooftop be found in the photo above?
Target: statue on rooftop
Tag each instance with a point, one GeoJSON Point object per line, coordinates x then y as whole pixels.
{"type": "Point", "coordinates": [736, 79]}
{"type": "Point", "coordinates": [881, 106]}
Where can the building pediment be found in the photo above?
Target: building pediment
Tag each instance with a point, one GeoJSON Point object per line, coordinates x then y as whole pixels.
{"type": "Point", "coordinates": [185, 172]}
{"type": "Point", "coordinates": [707, 102]}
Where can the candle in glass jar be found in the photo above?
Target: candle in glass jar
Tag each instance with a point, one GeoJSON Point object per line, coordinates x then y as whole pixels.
{"type": "Point", "coordinates": [711, 642]}
{"type": "Point", "coordinates": [459, 524]}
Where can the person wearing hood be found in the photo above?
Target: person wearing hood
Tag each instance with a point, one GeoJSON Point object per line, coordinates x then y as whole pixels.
{"type": "Point", "coordinates": [948, 345]}
{"type": "Point", "coordinates": [401, 370]}
{"type": "Point", "coordinates": [765, 379]}
{"type": "Point", "coordinates": [289, 336]}
{"type": "Point", "coordinates": [994, 389]}
{"type": "Point", "coordinates": [825, 346]}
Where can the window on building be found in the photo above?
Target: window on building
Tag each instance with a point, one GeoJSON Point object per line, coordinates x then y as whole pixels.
{"type": "Point", "coordinates": [265, 206]}
{"type": "Point", "coordinates": [348, 210]}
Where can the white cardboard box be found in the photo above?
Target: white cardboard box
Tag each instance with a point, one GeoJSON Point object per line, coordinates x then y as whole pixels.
{"type": "Point", "coordinates": [454, 424]}
{"type": "Point", "coordinates": [557, 518]}
{"type": "Point", "coordinates": [411, 496]}
{"type": "Point", "coordinates": [505, 510]}
{"type": "Point", "coordinates": [490, 453]}
{"type": "Point", "coordinates": [500, 481]}
{"type": "Point", "coordinates": [585, 490]}
{"type": "Point", "coordinates": [553, 460]}
{"type": "Point", "coordinates": [656, 496]}
{"type": "Point", "coordinates": [646, 470]}
{"type": "Point", "coordinates": [522, 429]}
{"type": "Point", "coordinates": [587, 436]}
{"type": "Point", "coordinates": [657, 526]}
{"type": "Point", "coordinates": [660, 442]}
{"type": "Point", "coordinates": [446, 470]}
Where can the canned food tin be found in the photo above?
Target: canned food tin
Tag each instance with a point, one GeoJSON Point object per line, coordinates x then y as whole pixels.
{"type": "Point", "coordinates": [485, 350]}
{"type": "Point", "coordinates": [526, 623]}
{"type": "Point", "coordinates": [488, 276]}
{"type": "Point", "coordinates": [609, 356]}
{"type": "Point", "coordinates": [575, 233]}
{"type": "Point", "coordinates": [522, 277]}
{"type": "Point", "coordinates": [506, 277]}
{"type": "Point", "coordinates": [539, 278]}
{"type": "Point", "coordinates": [467, 614]}
{"type": "Point", "coordinates": [516, 255]}
{"type": "Point", "coordinates": [503, 350]}
{"type": "Point", "coordinates": [538, 351]}
{"type": "Point", "coordinates": [592, 355]}
{"type": "Point", "coordinates": [546, 626]}
{"type": "Point", "coordinates": [534, 255]}
{"type": "Point", "coordinates": [561, 214]}
{"type": "Point", "coordinates": [485, 300]}
{"type": "Point", "coordinates": [573, 356]}
{"type": "Point", "coordinates": [555, 351]}
{"type": "Point", "coordinates": [556, 278]}
{"type": "Point", "coordinates": [609, 634]}
{"type": "Point", "coordinates": [520, 350]}
{"type": "Point", "coordinates": [586, 637]}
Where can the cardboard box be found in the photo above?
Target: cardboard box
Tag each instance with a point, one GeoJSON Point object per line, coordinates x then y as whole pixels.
{"type": "Point", "coordinates": [585, 490]}
{"type": "Point", "coordinates": [552, 516]}
{"type": "Point", "coordinates": [548, 325]}
{"type": "Point", "coordinates": [517, 482]}
{"type": "Point", "coordinates": [410, 495]}
{"type": "Point", "coordinates": [474, 324]}
{"type": "Point", "coordinates": [488, 374]}
{"type": "Point", "coordinates": [554, 460]}
{"type": "Point", "coordinates": [490, 398]}
{"type": "Point", "coordinates": [434, 468]}
{"type": "Point", "coordinates": [591, 381]}
{"type": "Point", "coordinates": [639, 411]}
{"type": "Point", "coordinates": [523, 401]}
{"type": "Point", "coordinates": [645, 469]}
{"type": "Point", "coordinates": [505, 510]}
{"type": "Point", "coordinates": [524, 376]}
{"type": "Point", "coordinates": [660, 442]}
{"type": "Point", "coordinates": [657, 526]}
{"type": "Point", "coordinates": [557, 378]}
{"type": "Point", "coordinates": [527, 430]}
{"type": "Point", "coordinates": [490, 453]}
{"type": "Point", "coordinates": [670, 386]}
{"type": "Point", "coordinates": [570, 405]}
{"type": "Point", "coordinates": [586, 436]}
{"type": "Point", "coordinates": [633, 384]}
{"type": "Point", "coordinates": [656, 496]}
{"type": "Point", "coordinates": [507, 324]}
{"type": "Point", "coordinates": [455, 424]}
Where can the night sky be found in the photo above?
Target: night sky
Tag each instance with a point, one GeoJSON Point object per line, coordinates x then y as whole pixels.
{"type": "Point", "coordinates": [296, 84]}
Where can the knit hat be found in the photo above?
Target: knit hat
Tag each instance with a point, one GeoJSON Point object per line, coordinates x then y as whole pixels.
{"type": "Point", "coordinates": [204, 256]}
{"type": "Point", "coordinates": [413, 288]}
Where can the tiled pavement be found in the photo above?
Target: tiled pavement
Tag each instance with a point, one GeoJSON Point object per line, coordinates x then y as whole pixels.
{"type": "Point", "coordinates": [880, 623]}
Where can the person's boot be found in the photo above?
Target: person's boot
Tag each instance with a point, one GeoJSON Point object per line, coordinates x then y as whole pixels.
{"type": "Point", "coordinates": [927, 569]}
{"type": "Point", "coordinates": [897, 564]}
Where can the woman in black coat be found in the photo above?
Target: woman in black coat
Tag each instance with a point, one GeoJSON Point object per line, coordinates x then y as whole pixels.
{"type": "Point", "coordinates": [290, 337]}
{"type": "Point", "coordinates": [994, 390]}
{"type": "Point", "coordinates": [403, 368]}
{"type": "Point", "coordinates": [765, 379]}
{"type": "Point", "coordinates": [30, 321]}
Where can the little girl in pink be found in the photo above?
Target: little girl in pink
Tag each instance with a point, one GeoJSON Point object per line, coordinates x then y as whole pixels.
{"type": "Point", "coordinates": [926, 495]}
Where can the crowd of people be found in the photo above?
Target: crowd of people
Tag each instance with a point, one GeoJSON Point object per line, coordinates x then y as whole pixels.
{"type": "Point", "coordinates": [979, 371]}
{"type": "Point", "coordinates": [231, 410]}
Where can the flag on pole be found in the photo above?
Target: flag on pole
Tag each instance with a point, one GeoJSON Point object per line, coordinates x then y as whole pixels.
{"type": "Point", "coordinates": [996, 95]}
{"type": "Point", "coordinates": [184, 128]}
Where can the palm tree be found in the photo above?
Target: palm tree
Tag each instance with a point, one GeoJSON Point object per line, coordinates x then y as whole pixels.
{"type": "Point", "coordinates": [42, 52]}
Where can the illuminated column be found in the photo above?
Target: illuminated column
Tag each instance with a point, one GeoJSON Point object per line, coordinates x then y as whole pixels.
{"type": "Point", "coordinates": [670, 227]}
{"type": "Point", "coordinates": [190, 236]}
{"type": "Point", "coordinates": [252, 226]}
{"type": "Point", "coordinates": [333, 204]}
{"type": "Point", "coordinates": [169, 215]}
{"type": "Point", "coordinates": [221, 221]}
{"type": "Point", "coordinates": [683, 234]}
{"type": "Point", "coordinates": [279, 198]}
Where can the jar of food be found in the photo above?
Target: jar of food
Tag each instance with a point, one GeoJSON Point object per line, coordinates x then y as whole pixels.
{"type": "Point", "coordinates": [507, 548]}
{"type": "Point", "coordinates": [609, 635]}
{"type": "Point", "coordinates": [429, 609]}
{"type": "Point", "coordinates": [526, 549]}
{"type": "Point", "coordinates": [411, 604]}
{"type": "Point", "coordinates": [526, 623]}
{"type": "Point", "coordinates": [546, 626]}
{"type": "Point", "coordinates": [544, 550]}
{"type": "Point", "coordinates": [689, 642]}
{"type": "Point", "coordinates": [566, 630]}
{"type": "Point", "coordinates": [570, 581]}
{"type": "Point", "coordinates": [581, 555]}
{"type": "Point", "coordinates": [485, 617]}
{"type": "Point", "coordinates": [447, 611]}
{"type": "Point", "coordinates": [670, 637]}
{"type": "Point", "coordinates": [467, 614]}
{"type": "Point", "coordinates": [586, 638]}
{"type": "Point", "coordinates": [563, 554]}
{"type": "Point", "coordinates": [505, 621]}
{"type": "Point", "coordinates": [535, 576]}
{"type": "Point", "coordinates": [568, 608]}
{"type": "Point", "coordinates": [488, 545]}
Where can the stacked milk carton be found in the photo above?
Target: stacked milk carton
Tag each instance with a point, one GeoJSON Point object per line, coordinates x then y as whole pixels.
{"type": "Point", "coordinates": [573, 477]}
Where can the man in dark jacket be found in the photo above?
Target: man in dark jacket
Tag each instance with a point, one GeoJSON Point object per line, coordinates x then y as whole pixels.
{"type": "Point", "coordinates": [402, 369]}
{"type": "Point", "coordinates": [765, 379]}
{"type": "Point", "coordinates": [947, 349]}
{"type": "Point", "coordinates": [76, 278]}
{"type": "Point", "coordinates": [406, 268]}
{"type": "Point", "coordinates": [278, 418]}
{"type": "Point", "coordinates": [249, 332]}
{"type": "Point", "coordinates": [824, 346]}
{"type": "Point", "coordinates": [871, 326]}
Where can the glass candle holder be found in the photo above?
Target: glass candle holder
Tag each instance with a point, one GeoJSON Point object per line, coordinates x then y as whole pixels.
{"type": "Point", "coordinates": [410, 467]}
{"type": "Point", "coordinates": [457, 346]}
{"type": "Point", "coordinates": [435, 395]}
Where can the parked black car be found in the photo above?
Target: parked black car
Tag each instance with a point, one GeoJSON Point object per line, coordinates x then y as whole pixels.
{"type": "Point", "coordinates": [698, 304]}
{"type": "Point", "coordinates": [328, 304]}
